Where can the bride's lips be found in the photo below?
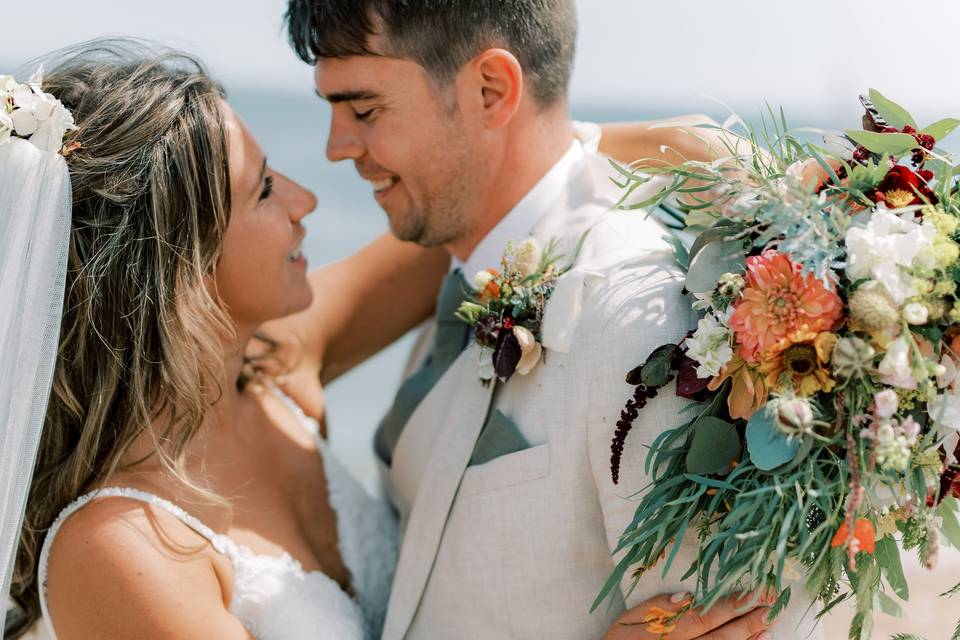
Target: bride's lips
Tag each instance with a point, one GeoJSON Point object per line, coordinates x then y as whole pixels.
{"type": "Point", "coordinates": [296, 256]}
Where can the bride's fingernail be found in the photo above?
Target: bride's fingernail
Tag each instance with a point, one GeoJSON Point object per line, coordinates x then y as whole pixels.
{"type": "Point", "coordinates": [679, 597]}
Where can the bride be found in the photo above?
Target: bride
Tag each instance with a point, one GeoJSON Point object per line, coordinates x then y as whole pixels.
{"type": "Point", "coordinates": [177, 491]}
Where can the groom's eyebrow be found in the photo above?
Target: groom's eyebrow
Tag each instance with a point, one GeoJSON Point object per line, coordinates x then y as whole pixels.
{"type": "Point", "coordinates": [348, 96]}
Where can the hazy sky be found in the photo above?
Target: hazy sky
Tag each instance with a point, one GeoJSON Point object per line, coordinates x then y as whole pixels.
{"type": "Point", "coordinates": [810, 56]}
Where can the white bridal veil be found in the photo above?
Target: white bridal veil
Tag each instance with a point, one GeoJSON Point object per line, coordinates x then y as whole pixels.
{"type": "Point", "coordinates": [35, 204]}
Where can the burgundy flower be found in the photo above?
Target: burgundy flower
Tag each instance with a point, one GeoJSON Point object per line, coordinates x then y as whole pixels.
{"type": "Point", "coordinates": [902, 187]}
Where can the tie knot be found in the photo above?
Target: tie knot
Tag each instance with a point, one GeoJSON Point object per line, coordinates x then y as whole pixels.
{"type": "Point", "coordinates": [453, 292]}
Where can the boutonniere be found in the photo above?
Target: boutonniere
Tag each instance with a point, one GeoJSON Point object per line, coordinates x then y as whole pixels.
{"type": "Point", "coordinates": [507, 310]}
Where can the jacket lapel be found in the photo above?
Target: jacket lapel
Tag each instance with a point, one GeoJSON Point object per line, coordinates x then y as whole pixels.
{"type": "Point", "coordinates": [450, 451]}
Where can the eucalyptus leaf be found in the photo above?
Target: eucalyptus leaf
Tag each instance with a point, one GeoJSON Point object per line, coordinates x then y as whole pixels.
{"type": "Point", "coordinates": [714, 445]}
{"type": "Point", "coordinates": [942, 128]}
{"type": "Point", "coordinates": [888, 605]}
{"type": "Point", "coordinates": [680, 253]}
{"type": "Point", "coordinates": [887, 554]}
{"type": "Point", "coordinates": [894, 114]}
{"type": "Point", "coordinates": [720, 231]}
{"type": "Point", "coordinates": [951, 525]}
{"type": "Point", "coordinates": [769, 447]}
{"type": "Point", "coordinates": [892, 144]}
{"type": "Point", "coordinates": [714, 260]}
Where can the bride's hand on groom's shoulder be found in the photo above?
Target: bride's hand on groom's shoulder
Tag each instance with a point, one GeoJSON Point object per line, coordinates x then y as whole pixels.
{"type": "Point", "coordinates": [284, 351]}
{"type": "Point", "coordinates": [732, 618]}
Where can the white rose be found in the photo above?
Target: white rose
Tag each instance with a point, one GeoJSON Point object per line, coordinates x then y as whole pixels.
{"type": "Point", "coordinates": [885, 248]}
{"type": "Point", "coordinates": [895, 366]}
{"type": "Point", "coordinates": [24, 122]}
{"type": "Point", "coordinates": [886, 402]}
{"type": "Point", "coordinates": [530, 350]}
{"type": "Point", "coordinates": [527, 257]}
{"type": "Point", "coordinates": [482, 279]}
{"type": "Point", "coordinates": [915, 313]}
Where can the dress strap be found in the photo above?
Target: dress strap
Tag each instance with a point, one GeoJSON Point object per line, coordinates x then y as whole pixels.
{"type": "Point", "coordinates": [220, 542]}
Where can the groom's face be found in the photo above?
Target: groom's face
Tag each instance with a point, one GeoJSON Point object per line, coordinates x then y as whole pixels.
{"type": "Point", "coordinates": [409, 138]}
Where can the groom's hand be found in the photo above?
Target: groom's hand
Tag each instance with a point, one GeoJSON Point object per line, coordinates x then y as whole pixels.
{"type": "Point", "coordinates": [732, 618]}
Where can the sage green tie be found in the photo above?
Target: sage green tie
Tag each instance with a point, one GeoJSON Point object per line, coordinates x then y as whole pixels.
{"type": "Point", "coordinates": [448, 342]}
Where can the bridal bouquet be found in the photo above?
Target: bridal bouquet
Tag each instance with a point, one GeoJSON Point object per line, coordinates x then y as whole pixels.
{"type": "Point", "coordinates": [823, 436]}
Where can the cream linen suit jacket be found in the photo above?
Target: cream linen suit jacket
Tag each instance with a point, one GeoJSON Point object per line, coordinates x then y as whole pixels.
{"type": "Point", "coordinates": [519, 547]}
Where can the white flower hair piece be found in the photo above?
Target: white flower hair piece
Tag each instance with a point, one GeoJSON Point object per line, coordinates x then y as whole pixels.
{"type": "Point", "coordinates": [29, 113]}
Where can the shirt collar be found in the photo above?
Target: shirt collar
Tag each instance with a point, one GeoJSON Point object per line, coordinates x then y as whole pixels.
{"type": "Point", "coordinates": [521, 220]}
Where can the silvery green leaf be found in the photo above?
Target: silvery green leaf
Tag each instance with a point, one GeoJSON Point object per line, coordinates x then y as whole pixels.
{"type": "Point", "coordinates": [769, 447]}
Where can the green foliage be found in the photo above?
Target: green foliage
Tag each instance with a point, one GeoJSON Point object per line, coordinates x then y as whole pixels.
{"type": "Point", "coordinates": [894, 114]}
{"type": "Point", "coordinates": [714, 446]}
{"type": "Point", "coordinates": [942, 128]}
{"type": "Point", "coordinates": [783, 599]}
{"type": "Point", "coordinates": [951, 525]}
{"type": "Point", "coordinates": [891, 144]}
{"type": "Point", "coordinates": [888, 557]}
{"type": "Point", "coordinates": [655, 372]}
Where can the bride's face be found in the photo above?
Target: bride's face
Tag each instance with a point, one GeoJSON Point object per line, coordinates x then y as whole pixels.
{"type": "Point", "coordinates": [261, 274]}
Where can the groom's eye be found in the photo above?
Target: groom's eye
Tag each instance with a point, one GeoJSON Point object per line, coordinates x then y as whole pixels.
{"type": "Point", "coordinates": [363, 115]}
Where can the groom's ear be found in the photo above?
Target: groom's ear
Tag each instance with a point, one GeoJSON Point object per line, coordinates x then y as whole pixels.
{"type": "Point", "coordinates": [499, 77]}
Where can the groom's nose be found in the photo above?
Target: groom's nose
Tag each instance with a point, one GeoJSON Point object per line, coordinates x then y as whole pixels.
{"type": "Point", "coordinates": [345, 141]}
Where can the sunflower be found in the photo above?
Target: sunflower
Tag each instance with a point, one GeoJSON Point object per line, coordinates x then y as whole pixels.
{"type": "Point", "coordinates": [801, 360]}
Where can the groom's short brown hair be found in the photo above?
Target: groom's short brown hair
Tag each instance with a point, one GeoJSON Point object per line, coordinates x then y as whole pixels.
{"type": "Point", "coordinates": [443, 35]}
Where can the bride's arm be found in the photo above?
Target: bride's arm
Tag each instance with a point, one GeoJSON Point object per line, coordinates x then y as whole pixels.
{"type": "Point", "coordinates": [116, 572]}
{"type": "Point", "coordinates": [651, 143]}
{"type": "Point", "coordinates": [365, 302]}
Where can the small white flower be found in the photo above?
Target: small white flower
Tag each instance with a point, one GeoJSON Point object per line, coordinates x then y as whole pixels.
{"type": "Point", "coordinates": [895, 366]}
{"type": "Point", "coordinates": [526, 257]}
{"type": "Point", "coordinates": [949, 374]}
{"type": "Point", "coordinates": [482, 279]}
{"type": "Point", "coordinates": [709, 346]}
{"type": "Point", "coordinates": [530, 350]}
{"type": "Point", "coordinates": [8, 84]}
{"type": "Point", "coordinates": [886, 402]}
{"type": "Point", "coordinates": [885, 434]}
{"type": "Point", "coordinates": [915, 313]}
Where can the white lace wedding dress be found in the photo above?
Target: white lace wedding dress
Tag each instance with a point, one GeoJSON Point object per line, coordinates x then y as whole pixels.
{"type": "Point", "coordinates": [274, 597]}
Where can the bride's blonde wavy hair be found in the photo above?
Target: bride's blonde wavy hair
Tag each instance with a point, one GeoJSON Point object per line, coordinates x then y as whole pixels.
{"type": "Point", "coordinates": [141, 333]}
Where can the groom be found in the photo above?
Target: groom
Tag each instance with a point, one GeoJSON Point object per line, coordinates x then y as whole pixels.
{"type": "Point", "coordinates": [456, 112]}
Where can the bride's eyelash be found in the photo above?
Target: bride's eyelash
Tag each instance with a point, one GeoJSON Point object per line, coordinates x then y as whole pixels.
{"type": "Point", "coordinates": [267, 188]}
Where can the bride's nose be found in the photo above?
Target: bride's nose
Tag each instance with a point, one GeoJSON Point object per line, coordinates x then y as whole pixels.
{"type": "Point", "coordinates": [300, 201]}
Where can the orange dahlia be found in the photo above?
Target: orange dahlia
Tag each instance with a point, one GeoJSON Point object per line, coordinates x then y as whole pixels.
{"type": "Point", "coordinates": [777, 301]}
{"type": "Point", "coordinates": [801, 360]}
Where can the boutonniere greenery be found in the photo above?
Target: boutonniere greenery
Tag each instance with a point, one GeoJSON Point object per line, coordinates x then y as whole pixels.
{"type": "Point", "coordinates": [508, 305]}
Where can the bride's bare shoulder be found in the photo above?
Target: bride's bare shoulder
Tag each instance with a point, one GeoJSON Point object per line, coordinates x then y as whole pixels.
{"type": "Point", "coordinates": [120, 568]}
